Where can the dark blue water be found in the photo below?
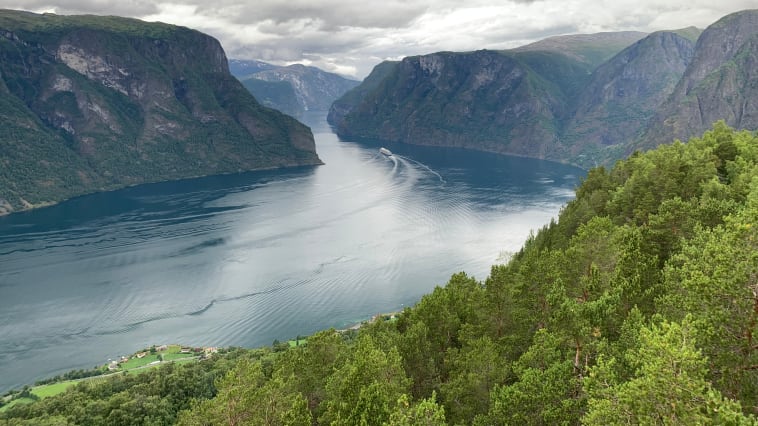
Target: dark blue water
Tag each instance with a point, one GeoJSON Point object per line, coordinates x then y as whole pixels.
{"type": "Point", "coordinates": [245, 259]}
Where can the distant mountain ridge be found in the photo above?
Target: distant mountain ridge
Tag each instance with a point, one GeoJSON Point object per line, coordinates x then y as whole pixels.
{"type": "Point", "coordinates": [580, 99]}
{"type": "Point", "coordinates": [310, 88]}
{"type": "Point", "coordinates": [590, 49]}
{"type": "Point", "coordinates": [243, 68]}
{"type": "Point", "coordinates": [93, 103]}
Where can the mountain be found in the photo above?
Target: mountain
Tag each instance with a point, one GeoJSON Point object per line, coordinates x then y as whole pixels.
{"type": "Point", "coordinates": [718, 84]}
{"type": "Point", "coordinates": [279, 95]}
{"type": "Point", "coordinates": [584, 99]}
{"type": "Point", "coordinates": [97, 103]}
{"type": "Point", "coordinates": [589, 49]}
{"type": "Point", "coordinates": [354, 96]}
{"type": "Point", "coordinates": [505, 101]}
{"type": "Point", "coordinates": [242, 68]}
{"type": "Point", "coordinates": [624, 93]}
{"type": "Point", "coordinates": [514, 101]}
{"type": "Point", "coordinates": [310, 88]}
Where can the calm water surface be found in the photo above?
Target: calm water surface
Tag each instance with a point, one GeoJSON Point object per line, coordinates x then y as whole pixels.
{"type": "Point", "coordinates": [245, 259]}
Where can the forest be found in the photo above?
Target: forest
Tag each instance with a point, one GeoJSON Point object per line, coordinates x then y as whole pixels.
{"type": "Point", "coordinates": [637, 305]}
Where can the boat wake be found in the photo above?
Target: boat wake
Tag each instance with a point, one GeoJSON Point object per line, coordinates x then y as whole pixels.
{"type": "Point", "coordinates": [423, 166]}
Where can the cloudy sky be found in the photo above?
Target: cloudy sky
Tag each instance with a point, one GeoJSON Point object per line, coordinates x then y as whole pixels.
{"type": "Point", "coordinates": [350, 37]}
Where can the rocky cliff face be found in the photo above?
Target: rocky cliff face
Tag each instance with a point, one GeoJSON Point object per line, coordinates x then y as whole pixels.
{"type": "Point", "coordinates": [353, 97]}
{"type": "Point", "coordinates": [278, 95]}
{"type": "Point", "coordinates": [495, 101]}
{"type": "Point", "coordinates": [718, 84]}
{"type": "Point", "coordinates": [514, 102]}
{"type": "Point", "coordinates": [315, 89]}
{"type": "Point", "coordinates": [548, 100]}
{"type": "Point", "coordinates": [110, 102]}
{"type": "Point", "coordinates": [292, 89]}
{"type": "Point", "coordinates": [624, 93]}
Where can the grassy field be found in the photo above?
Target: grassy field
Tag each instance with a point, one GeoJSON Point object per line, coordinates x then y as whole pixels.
{"type": "Point", "coordinates": [176, 356]}
{"type": "Point", "coordinates": [294, 343]}
{"type": "Point", "coordinates": [53, 389]}
{"type": "Point", "coordinates": [42, 391]}
{"type": "Point", "coordinates": [133, 366]}
{"type": "Point", "coordinates": [135, 362]}
{"type": "Point", "coordinates": [15, 402]}
{"type": "Point", "coordinates": [172, 353]}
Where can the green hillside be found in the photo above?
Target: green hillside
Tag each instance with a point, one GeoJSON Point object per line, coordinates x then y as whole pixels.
{"type": "Point", "coordinates": [636, 306]}
{"type": "Point", "coordinates": [91, 103]}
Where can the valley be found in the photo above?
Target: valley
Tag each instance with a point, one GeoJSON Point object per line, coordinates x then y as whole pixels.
{"type": "Point", "coordinates": [525, 213]}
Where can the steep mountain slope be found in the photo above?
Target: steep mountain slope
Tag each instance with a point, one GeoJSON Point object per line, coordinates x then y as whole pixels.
{"type": "Point", "coordinates": [279, 95]}
{"type": "Point", "coordinates": [315, 89]}
{"type": "Point", "coordinates": [488, 100]}
{"type": "Point", "coordinates": [514, 102]}
{"type": "Point", "coordinates": [624, 93]}
{"type": "Point", "coordinates": [292, 89]}
{"type": "Point", "coordinates": [550, 100]}
{"type": "Point", "coordinates": [354, 96]}
{"type": "Point", "coordinates": [719, 83]}
{"type": "Point", "coordinates": [95, 103]}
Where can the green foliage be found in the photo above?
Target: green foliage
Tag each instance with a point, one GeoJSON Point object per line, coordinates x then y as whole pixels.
{"type": "Point", "coordinates": [425, 413]}
{"type": "Point", "coordinates": [153, 397]}
{"type": "Point", "coordinates": [715, 280]}
{"type": "Point", "coordinates": [473, 371]}
{"type": "Point", "coordinates": [364, 390]}
{"type": "Point", "coordinates": [668, 386]}
{"type": "Point", "coordinates": [547, 390]}
{"type": "Point", "coordinates": [247, 396]}
{"type": "Point", "coordinates": [637, 306]}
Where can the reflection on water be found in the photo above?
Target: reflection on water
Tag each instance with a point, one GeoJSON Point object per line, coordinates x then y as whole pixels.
{"type": "Point", "coordinates": [245, 259]}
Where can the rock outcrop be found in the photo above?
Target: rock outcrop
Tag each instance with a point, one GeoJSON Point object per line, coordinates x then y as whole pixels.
{"type": "Point", "coordinates": [96, 103]}
{"type": "Point", "coordinates": [624, 93]}
{"type": "Point", "coordinates": [718, 84]}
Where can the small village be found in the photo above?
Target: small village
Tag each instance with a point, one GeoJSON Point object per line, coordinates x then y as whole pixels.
{"type": "Point", "coordinates": [158, 354]}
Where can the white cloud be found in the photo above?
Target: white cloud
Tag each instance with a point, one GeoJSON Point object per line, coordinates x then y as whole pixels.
{"type": "Point", "coordinates": [350, 36]}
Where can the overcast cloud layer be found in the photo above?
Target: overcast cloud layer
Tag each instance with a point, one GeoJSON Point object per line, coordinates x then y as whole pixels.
{"type": "Point", "coordinates": [350, 37]}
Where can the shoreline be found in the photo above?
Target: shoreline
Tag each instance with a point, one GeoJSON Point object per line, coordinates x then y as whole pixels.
{"type": "Point", "coordinates": [150, 357]}
{"type": "Point", "coordinates": [43, 204]}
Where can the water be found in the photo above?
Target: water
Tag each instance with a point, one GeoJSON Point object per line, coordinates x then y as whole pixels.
{"type": "Point", "coordinates": [245, 259]}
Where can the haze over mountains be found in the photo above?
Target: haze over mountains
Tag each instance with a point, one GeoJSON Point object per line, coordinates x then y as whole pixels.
{"type": "Point", "coordinates": [585, 100]}
{"type": "Point", "coordinates": [291, 89]}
